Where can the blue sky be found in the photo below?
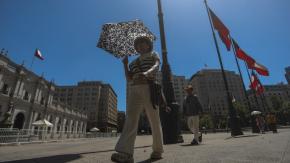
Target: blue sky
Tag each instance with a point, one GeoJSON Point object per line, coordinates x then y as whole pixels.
{"type": "Point", "coordinates": [67, 31]}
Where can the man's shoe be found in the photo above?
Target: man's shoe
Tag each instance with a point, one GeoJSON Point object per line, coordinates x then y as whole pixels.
{"type": "Point", "coordinates": [194, 142]}
{"type": "Point", "coordinates": [156, 155]}
{"type": "Point", "coordinates": [122, 158]}
{"type": "Point", "coordinates": [200, 137]}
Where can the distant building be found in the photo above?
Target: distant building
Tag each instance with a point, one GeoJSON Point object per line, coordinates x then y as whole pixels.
{"type": "Point", "coordinates": [287, 74]}
{"type": "Point", "coordinates": [30, 97]}
{"type": "Point", "coordinates": [121, 121]}
{"type": "Point", "coordinates": [97, 99]}
{"type": "Point", "coordinates": [279, 92]}
{"type": "Point", "coordinates": [108, 112]}
{"type": "Point", "coordinates": [208, 85]}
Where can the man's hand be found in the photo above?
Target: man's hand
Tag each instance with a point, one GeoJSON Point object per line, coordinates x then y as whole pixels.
{"type": "Point", "coordinates": [145, 74]}
{"type": "Point", "coordinates": [142, 76]}
{"type": "Point", "coordinates": [167, 109]}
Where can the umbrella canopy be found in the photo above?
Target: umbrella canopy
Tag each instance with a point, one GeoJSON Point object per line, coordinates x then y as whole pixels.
{"type": "Point", "coordinates": [118, 38]}
{"type": "Point", "coordinates": [255, 112]}
{"type": "Point", "coordinates": [42, 123]}
{"type": "Point", "coordinates": [95, 129]}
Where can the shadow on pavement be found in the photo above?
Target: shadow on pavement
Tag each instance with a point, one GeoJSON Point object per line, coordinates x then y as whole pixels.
{"type": "Point", "coordinates": [111, 150]}
{"type": "Point", "coordinates": [149, 160]}
{"type": "Point", "coordinates": [241, 136]}
{"type": "Point", "coordinates": [49, 159]}
{"type": "Point", "coordinates": [187, 145]}
{"type": "Point", "coordinates": [64, 158]}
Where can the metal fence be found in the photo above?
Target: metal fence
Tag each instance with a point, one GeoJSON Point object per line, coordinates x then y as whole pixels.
{"type": "Point", "coordinates": [11, 135]}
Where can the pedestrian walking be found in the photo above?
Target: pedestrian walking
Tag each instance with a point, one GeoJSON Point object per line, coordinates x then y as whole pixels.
{"type": "Point", "coordinates": [272, 122]}
{"type": "Point", "coordinates": [192, 109]}
{"type": "Point", "coordinates": [140, 75]}
{"type": "Point", "coordinates": [260, 121]}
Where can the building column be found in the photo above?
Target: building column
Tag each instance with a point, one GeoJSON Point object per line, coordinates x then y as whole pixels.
{"type": "Point", "coordinates": [81, 127]}
{"type": "Point", "coordinates": [70, 128]}
{"type": "Point", "coordinates": [63, 124]}
{"type": "Point", "coordinates": [76, 128]}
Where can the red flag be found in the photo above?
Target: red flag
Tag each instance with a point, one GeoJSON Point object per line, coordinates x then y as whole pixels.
{"type": "Point", "coordinates": [222, 29]}
{"type": "Point", "coordinates": [262, 70]}
{"type": "Point", "coordinates": [256, 84]}
{"type": "Point", "coordinates": [38, 54]}
{"type": "Point", "coordinates": [252, 64]}
{"type": "Point", "coordinates": [254, 81]}
{"type": "Point", "coordinates": [260, 89]}
{"type": "Point", "coordinates": [242, 55]}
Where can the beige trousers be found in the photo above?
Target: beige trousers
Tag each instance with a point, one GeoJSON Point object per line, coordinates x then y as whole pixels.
{"type": "Point", "coordinates": [193, 125]}
{"type": "Point", "coordinates": [138, 100]}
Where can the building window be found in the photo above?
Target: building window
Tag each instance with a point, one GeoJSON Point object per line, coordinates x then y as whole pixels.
{"type": "Point", "coordinates": [42, 101]}
{"type": "Point", "coordinates": [5, 89]}
{"type": "Point", "coordinates": [25, 96]}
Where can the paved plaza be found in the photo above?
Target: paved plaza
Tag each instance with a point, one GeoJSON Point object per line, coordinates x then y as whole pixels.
{"type": "Point", "coordinates": [216, 148]}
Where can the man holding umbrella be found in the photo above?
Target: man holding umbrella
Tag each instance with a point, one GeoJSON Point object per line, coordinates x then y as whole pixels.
{"type": "Point", "coordinates": [139, 73]}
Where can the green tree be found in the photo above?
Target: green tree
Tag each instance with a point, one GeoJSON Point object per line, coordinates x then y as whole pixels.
{"type": "Point", "coordinates": [206, 121]}
{"type": "Point", "coordinates": [286, 106]}
{"type": "Point", "coordinates": [243, 113]}
{"type": "Point", "coordinates": [277, 104]}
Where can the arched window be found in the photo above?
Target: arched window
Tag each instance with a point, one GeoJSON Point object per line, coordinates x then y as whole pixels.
{"type": "Point", "coordinates": [19, 121]}
{"type": "Point", "coordinates": [5, 89]}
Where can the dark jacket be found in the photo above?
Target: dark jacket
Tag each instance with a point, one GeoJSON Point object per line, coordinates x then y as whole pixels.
{"type": "Point", "coordinates": [191, 106]}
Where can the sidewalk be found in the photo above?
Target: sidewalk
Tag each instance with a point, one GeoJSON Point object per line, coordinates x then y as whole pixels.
{"type": "Point", "coordinates": [216, 148]}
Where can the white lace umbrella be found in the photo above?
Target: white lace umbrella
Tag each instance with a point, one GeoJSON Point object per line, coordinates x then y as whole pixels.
{"type": "Point", "coordinates": [118, 38]}
{"type": "Point", "coordinates": [42, 123]}
{"type": "Point", "coordinates": [95, 129]}
{"type": "Point", "coordinates": [255, 112]}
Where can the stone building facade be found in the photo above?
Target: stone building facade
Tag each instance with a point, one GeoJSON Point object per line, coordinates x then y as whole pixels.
{"type": "Point", "coordinates": [209, 86]}
{"type": "Point", "coordinates": [29, 97]}
{"type": "Point", "coordinates": [121, 120]}
{"type": "Point", "coordinates": [95, 98]}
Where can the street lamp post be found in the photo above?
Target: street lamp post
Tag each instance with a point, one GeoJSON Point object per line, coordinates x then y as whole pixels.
{"type": "Point", "coordinates": [170, 121]}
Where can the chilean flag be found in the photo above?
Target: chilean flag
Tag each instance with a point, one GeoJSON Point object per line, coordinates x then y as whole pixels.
{"type": "Point", "coordinates": [38, 54]}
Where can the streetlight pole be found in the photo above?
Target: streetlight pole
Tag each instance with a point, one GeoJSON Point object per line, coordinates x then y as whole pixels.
{"type": "Point", "coordinates": [169, 121]}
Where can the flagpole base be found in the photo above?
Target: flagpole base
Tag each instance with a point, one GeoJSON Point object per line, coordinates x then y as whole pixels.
{"type": "Point", "coordinates": [170, 125]}
{"type": "Point", "coordinates": [235, 126]}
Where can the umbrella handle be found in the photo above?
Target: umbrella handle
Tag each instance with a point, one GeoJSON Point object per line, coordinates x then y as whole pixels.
{"type": "Point", "coordinates": [125, 60]}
